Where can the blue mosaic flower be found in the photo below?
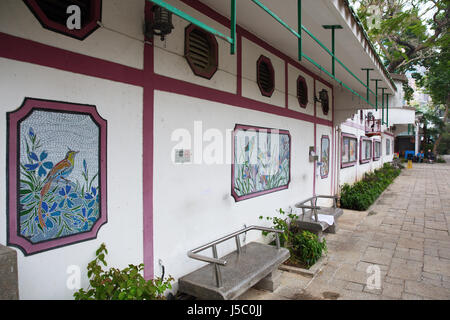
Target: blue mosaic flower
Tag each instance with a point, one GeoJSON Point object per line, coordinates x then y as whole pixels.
{"type": "Point", "coordinates": [39, 163]}
{"type": "Point", "coordinates": [48, 212]}
{"type": "Point", "coordinates": [92, 197]}
{"type": "Point", "coordinates": [67, 196]}
{"type": "Point", "coordinates": [31, 133]}
{"type": "Point", "coordinates": [83, 222]}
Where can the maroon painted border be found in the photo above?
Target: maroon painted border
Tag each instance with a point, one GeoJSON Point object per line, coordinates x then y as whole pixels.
{"type": "Point", "coordinates": [352, 163]}
{"type": "Point", "coordinates": [167, 84]}
{"type": "Point", "coordinates": [147, 157]}
{"type": "Point", "coordinates": [260, 193]}
{"type": "Point", "coordinates": [315, 142]}
{"type": "Point", "coordinates": [24, 50]}
{"type": "Point", "coordinates": [13, 118]}
{"type": "Point", "coordinates": [83, 33]}
{"type": "Point", "coordinates": [208, 74]}
{"type": "Point", "coordinates": [373, 151]}
{"type": "Point", "coordinates": [329, 157]}
{"type": "Point", "coordinates": [361, 160]}
{"type": "Point", "coordinates": [266, 60]}
{"type": "Point", "coordinates": [286, 85]}
{"type": "Point", "coordinates": [302, 80]}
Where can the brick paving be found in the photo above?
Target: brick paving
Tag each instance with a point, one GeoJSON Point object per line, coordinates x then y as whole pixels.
{"type": "Point", "coordinates": [405, 235]}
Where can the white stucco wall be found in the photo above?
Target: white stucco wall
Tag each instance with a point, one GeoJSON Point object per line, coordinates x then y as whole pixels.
{"type": "Point", "coordinates": [43, 275]}
{"type": "Point", "coordinates": [387, 157]}
{"type": "Point", "coordinates": [355, 173]}
{"type": "Point", "coordinates": [192, 202]}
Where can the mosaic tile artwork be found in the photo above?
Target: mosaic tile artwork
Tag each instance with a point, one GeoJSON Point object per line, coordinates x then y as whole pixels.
{"type": "Point", "coordinates": [58, 192]}
{"type": "Point", "coordinates": [58, 175]}
{"type": "Point", "coordinates": [261, 161]}
{"type": "Point", "coordinates": [324, 156]}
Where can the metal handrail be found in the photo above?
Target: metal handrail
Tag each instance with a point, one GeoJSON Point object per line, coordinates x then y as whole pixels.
{"type": "Point", "coordinates": [213, 244]}
{"type": "Point", "coordinates": [313, 205]}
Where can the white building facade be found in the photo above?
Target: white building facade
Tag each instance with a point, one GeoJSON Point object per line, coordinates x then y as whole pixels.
{"type": "Point", "coordinates": [170, 126]}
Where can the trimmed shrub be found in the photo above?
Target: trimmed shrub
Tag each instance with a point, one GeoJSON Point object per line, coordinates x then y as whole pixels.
{"type": "Point", "coordinates": [362, 194]}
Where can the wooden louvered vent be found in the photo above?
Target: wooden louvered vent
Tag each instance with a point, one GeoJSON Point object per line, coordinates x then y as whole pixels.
{"type": "Point", "coordinates": [302, 92]}
{"type": "Point", "coordinates": [201, 52]}
{"type": "Point", "coordinates": [265, 76]}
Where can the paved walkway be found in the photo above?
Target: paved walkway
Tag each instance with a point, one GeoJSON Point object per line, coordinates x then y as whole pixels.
{"type": "Point", "coordinates": [405, 234]}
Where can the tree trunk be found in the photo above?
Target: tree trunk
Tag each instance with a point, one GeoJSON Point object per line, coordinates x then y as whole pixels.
{"type": "Point", "coordinates": [438, 140]}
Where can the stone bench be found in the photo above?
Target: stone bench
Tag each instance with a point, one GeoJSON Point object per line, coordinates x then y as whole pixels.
{"type": "Point", "coordinates": [254, 264]}
{"type": "Point", "coordinates": [310, 220]}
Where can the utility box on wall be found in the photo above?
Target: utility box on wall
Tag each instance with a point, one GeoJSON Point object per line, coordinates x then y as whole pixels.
{"type": "Point", "coordinates": [9, 289]}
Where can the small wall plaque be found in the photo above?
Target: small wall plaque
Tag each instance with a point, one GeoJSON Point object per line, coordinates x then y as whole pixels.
{"type": "Point", "coordinates": [182, 156]}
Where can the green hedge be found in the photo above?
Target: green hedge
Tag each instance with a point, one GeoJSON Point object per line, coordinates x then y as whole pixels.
{"type": "Point", "coordinates": [362, 194]}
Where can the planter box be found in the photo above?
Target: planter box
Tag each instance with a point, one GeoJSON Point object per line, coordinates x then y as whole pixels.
{"type": "Point", "coordinates": [311, 272]}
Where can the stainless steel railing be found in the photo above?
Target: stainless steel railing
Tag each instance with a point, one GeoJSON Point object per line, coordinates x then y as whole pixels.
{"type": "Point", "coordinates": [313, 206]}
{"type": "Point", "coordinates": [220, 262]}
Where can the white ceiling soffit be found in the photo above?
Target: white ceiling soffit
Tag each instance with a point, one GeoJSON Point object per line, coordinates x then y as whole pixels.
{"type": "Point", "coordinates": [354, 53]}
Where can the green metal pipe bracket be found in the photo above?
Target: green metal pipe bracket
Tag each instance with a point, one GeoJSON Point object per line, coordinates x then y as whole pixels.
{"type": "Point", "coordinates": [232, 40]}
{"type": "Point", "coordinates": [192, 20]}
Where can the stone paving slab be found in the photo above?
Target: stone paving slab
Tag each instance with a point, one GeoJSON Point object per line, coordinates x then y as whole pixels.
{"type": "Point", "coordinates": [405, 240]}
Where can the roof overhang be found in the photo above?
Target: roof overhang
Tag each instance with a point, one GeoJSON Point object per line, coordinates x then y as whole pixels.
{"type": "Point", "coordinates": [352, 45]}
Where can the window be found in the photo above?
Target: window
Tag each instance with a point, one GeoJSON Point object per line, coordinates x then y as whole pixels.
{"type": "Point", "coordinates": [201, 51]}
{"type": "Point", "coordinates": [376, 150]}
{"type": "Point", "coordinates": [52, 14]}
{"type": "Point", "coordinates": [265, 76]}
{"type": "Point", "coordinates": [349, 150]}
{"type": "Point", "coordinates": [365, 150]}
{"type": "Point", "coordinates": [388, 147]}
{"type": "Point", "coordinates": [302, 92]}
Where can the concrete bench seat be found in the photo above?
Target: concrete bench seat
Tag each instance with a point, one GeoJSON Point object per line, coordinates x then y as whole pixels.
{"type": "Point", "coordinates": [231, 276]}
{"type": "Point", "coordinates": [309, 218]}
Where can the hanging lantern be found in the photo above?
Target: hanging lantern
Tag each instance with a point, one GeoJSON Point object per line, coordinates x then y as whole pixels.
{"type": "Point", "coordinates": [324, 101]}
{"type": "Point", "coordinates": [162, 22]}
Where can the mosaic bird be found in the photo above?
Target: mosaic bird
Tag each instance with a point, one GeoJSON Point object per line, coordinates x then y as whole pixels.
{"type": "Point", "coordinates": [61, 170]}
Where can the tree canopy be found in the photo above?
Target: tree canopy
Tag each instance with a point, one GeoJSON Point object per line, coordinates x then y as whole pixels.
{"type": "Point", "coordinates": [412, 35]}
{"type": "Point", "coordinates": [405, 31]}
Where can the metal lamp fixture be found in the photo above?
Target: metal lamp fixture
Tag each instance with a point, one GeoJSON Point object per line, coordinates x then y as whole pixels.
{"type": "Point", "coordinates": [323, 99]}
{"type": "Point", "coordinates": [161, 24]}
